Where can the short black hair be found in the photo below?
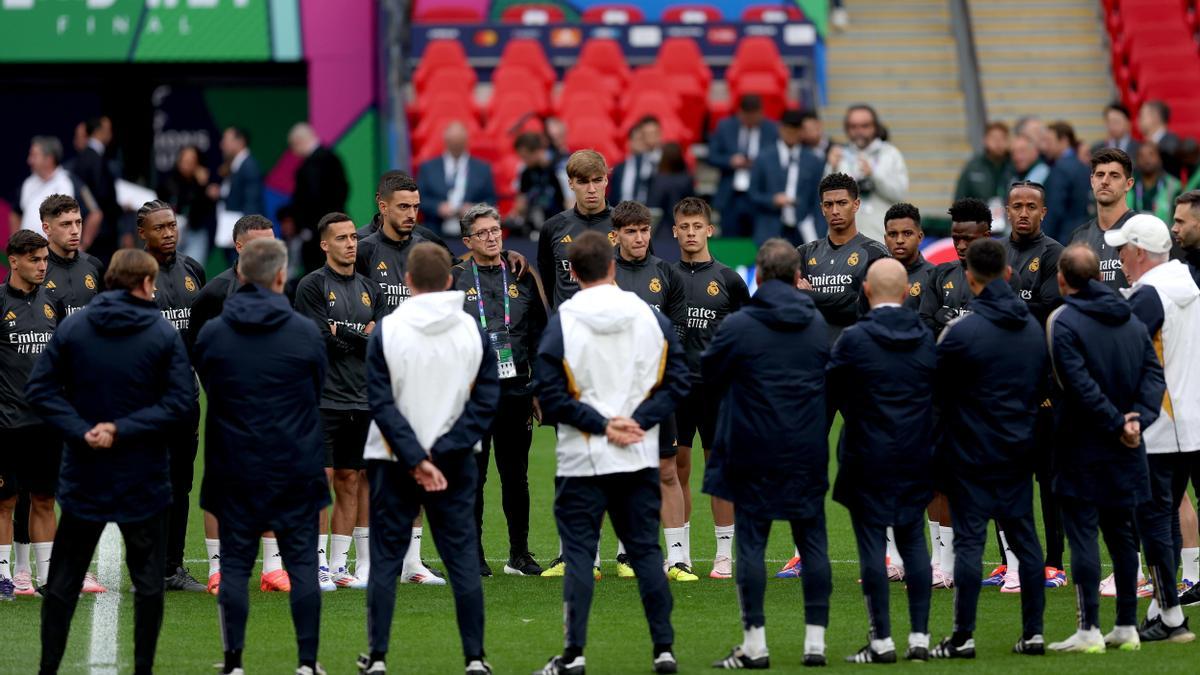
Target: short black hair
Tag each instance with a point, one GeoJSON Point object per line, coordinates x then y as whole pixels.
{"type": "Point", "coordinates": [253, 221]}
{"type": "Point", "coordinates": [630, 213]}
{"type": "Point", "coordinates": [777, 260]}
{"type": "Point", "coordinates": [1110, 156]}
{"type": "Point", "coordinates": [24, 242]}
{"type": "Point", "coordinates": [792, 117]}
{"type": "Point", "coordinates": [1031, 184]}
{"type": "Point", "coordinates": [240, 132]}
{"type": "Point", "coordinates": [429, 267]}
{"type": "Point", "coordinates": [1079, 264]}
{"type": "Point", "coordinates": [1163, 110]}
{"type": "Point", "coordinates": [329, 219]}
{"type": "Point", "coordinates": [530, 140]}
{"type": "Point", "coordinates": [902, 210]}
{"type": "Point", "coordinates": [693, 206]}
{"type": "Point", "coordinates": [56, 205]}
{"type": "Point", "coordinates": [750, 103]}
{"type": "Point", "coordinates": [809, 115]}
{"type": "Point", "coordinates": [1063, 130]}
{"type": "Point", "coordinates": [152, 206]}
{"type": "Point", "coordinates": [970, 210]}
{"type": "Point", "coordinates": [838, 181]}
{"type": "Point", "coordinates": [91, 124]}
{"type": "Point", "coordinates": [590, 254]}
{"type": "Point", "coordinates": [986, 259]}
{"type": "Point", "coordinates": [1117, 106]}
{"type": "Point", "coordinates": [395, 181]}
{"type": "Point", "coordinates": [1191, 198]}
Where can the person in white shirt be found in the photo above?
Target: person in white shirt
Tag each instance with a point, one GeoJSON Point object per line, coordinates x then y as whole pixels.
{"type": "Point", "coordinates": [47, 177]}
{"type": "Point", "coordinates": [875, 163]}
{"type": "Point", "coordinates": [434, 388]}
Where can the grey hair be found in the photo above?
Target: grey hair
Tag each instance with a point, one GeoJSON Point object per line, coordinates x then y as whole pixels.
{"type": "Point", "coordinates": [49, 145]}
{"type": "Point", "coordinates": [261, 260]}
{"type": "Point", "coordinates": [778, 260]}
{"type": "Point", "coordinates": [476, 212]}
{"type": "Point", "coordinates": [1158, 257]}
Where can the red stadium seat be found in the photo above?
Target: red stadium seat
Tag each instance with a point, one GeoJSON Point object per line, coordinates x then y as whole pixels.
{"type": "Point", "coordinates": [592, 131]}
{"type": "Point", "coordinates": [431, 127]}
{"type": "Point", "coordinates": [692, 14]}
{"type": "Point", "coordinates": [506, 170]}
{"type": "Point", "coordinates": [613, 14]}
{"type": "Point", "coordinates": [587, 78]}
{"type": "Point", "coordinates": [458, 79]}
{"type": "Point", "coordinates": [757, 54]}
{"type": "Point", "coordinates": [439, 12]}
{"type": "Point", "coordinates": [605, 56]}
{"type": "Point", "coordinates": [777, 13]}
{"type": "Point", "coordinates": [533, 14]}
{"type": "Point", "coordinates": [508, 112]}
{"type": "Point", "coordinates": [439, 54]}
{"type": "Point", "coordinates": [518, 79]}
{"type": "Point", "coordinates": [683, 55]}
{"type": "Point", "coordinates": [440, 103]}
{"type": "Point", "coordinates": [529, 54]}
{"type": "Point", "coordinates": [575, 101]}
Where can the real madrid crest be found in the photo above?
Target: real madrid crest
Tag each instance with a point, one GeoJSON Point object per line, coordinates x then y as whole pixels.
{"type": "Point", "coordinates": [89, 282]}
{"type": "Point", "coordinates": [655, 285]}
{"type": "Point", "coordinates": [189, 284]}
{"type": "Point", "coordinates": [713, 289]}
{"type": "Point", "coordinates": [1035, 264]}
{"type": "Point", "coordinates": [366, 299]}
{"type": "Point", "coordinates": [47, 311]}
{"type": "Point", "coordinates": [512, 291]}
{"type": "Point", "coordinates": [915, 289]}
{"type": "Point", "coordinates": [853, 259]}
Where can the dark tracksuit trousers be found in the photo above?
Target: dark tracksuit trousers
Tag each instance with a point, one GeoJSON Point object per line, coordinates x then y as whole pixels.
{"type": "Point", "coordinates": [74, 544]}
{"type": "Point", "coordinates": [872, 565]}
{"type": "Point", "coordinates": [810, 539]}
{"type": "Point", "coordinates": [1044, 436]}
{"type": "Point", "coordinates": [1082, 520]}
{"type": "Point", "coordinates": [182, 448]}
{"type": "Point", "coordinates": [511, 435]}
{"type": "Point", "coordinates": [633, 501]}
{"type": "Point", "coordinates": [1158, 522]}
{"type": "Point", "coordinates": [298, 548]}
{"type": "Point", "coordinates": [396, 499]}
{"type": "Point", "coordinates": [970, 520]}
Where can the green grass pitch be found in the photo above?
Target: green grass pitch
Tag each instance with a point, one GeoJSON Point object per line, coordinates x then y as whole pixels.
{"type": "Point", "coordinates": [524, 615]}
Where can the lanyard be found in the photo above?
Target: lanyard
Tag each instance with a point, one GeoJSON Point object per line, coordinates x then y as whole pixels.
{"type": "Point", "coordinates": [503, 291]}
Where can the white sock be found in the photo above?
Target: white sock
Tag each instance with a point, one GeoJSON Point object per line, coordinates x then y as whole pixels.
{"type": "Point", "coordinates": [22, 559]}
{"type": "Point", "coordinates": [5, 569]}
{"type": "Point", "coordinates": [687, 544]}
{"type": "Point", "coordinates": [41, 555]}
{"type": "Point", "coordinates": [322, 559]}
{"type": "Point", "coordinates": [674, 537]}
{"type": "Point", "coordinates": [339, 550]}
{"type": "Point", "coordinates": [795, 552]}
{"type": "Point", "coordinates": [362, 550]}
{"type": "Point", "coordinates": [935, 542]}
{"type": "Point", "coordinates": [412, 557]}
{"type": "Point", "coordinates": [620, 548]}
{"type": "Point", "coordinates": [1152, 611]}
{"type": "Point", "coordinates": [947, 537]}
{"type": "Point", "coordinates": [754, 642]}
{"type": "Point", "coordinates": [1141, 570]}
{"type": "Point", "coordinates": [1010, 558]}
{"type": "Point", "coordinates": [596, 560]}
{"type": "Point", "coordinates": [883, 646]}
{"type": "Point", "coordinates": [213, 546]}
{"type": "Point", "coordinates": [724, 540]}
{"type": "Point", "coordinates": [1174, 616]}
{"type": "Point", "coordinates": [893, 553]}
{"type": "Point", "coordinates": [1191, 563]}
{"type": "Point", "coordinates": [271, 559]}
{"type": "Point", "coordinates": [814, 639]}
{"type": "Point", "coordinates": [918, 640]}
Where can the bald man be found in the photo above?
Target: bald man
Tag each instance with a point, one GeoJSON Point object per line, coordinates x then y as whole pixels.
{"type": "Point", "coordinates": [453, 183]}
{"type": "Point", "coordinates": [321, 188]}
{"type": "Point", "coordinates": [881, 378]}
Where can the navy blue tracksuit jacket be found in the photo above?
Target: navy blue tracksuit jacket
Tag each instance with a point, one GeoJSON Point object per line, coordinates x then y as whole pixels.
{"type": "Point", "coordinates": [766, 366]}
{"type": "Point", "coordinates": [116, 360]}
{"type": "Point", "coordinates": [990, 382]}
{"type": "Point", "coordinates": [263, 366]}
{"type": "Point", "coordinates": [881, 378]}
{"type": "Point", "coordinates": [1100, 381]}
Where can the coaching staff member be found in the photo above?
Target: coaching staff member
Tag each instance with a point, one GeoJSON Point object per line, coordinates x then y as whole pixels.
{"type": "Point", "coordinates": [609, 370]}
{"type": "Point", "coordinates": [1112, 386]}
{"type": "Point", "coordinates": [434, 389]}
{"type": "Point", "coordinates": [990, 381]}
{"type": "Point", "coordinates": [116, 382]}
{"type": "Point", "coordinates": [770, 457]}
{"type": "Point", "coordinates": [881, 378]}
{"type": "Point", "coordinates": [263, 366]}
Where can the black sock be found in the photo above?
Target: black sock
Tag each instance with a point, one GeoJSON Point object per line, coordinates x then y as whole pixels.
{"type": "Point", "coordinates": [660, 648]}
{"type": "Point", "coordinates": [233, 660]}
{"type": "Point", "coordinates": [378, 656]}
{"type": "Point", "coordinates": [570, 653]}
{"type": "Point", "coordinates": [960, 637]}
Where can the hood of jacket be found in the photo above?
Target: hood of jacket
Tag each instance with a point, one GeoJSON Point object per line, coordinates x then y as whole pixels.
{"type": "Point", "coordinates": [1100, 303]}
{"type": "Point", "coordinates": [253, 309]}
{"type": "Point", "coordinates": [603, 309]}
{"type": "Point", "coordinates": [1173, 280]}
{"type": "Point", "coordinates": [120, 313]}
{"type": "Point", "coordinates": [433, 313]}
{"type": "Point", "coordinates": [781, 306]}
{"type": "Point", "coordinates": [894, 328]}
{"type": "Point", "coordinates": [997, 303]}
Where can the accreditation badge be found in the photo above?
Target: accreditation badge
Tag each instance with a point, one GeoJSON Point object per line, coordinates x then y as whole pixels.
{"type": "Point", "coordinates": [502, 345]}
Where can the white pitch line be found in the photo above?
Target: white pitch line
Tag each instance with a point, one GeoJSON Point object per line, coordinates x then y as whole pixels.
{"type": "Point", "coordinates": [102, 658]}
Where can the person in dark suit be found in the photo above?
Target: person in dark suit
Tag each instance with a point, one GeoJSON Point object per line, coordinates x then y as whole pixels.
{"type": "Point", "coordinates": [1118, 128]}
{"type": "Point", "coordinates": [263, 366]}
{"type": "Point", "coordinates": [321, 188]}
{"type": "Point", "coordinates": [241, 192]}
{"type": "Point", "coordinates": [732, 149]}
{"type": "Point", "coordinates": [783, 187]}
{"type": "Point", "coordinates": [93, 169]}
{"type": "Point", "coordinates": [453, 183]}
{"type": "Point", "coordinates": [1152, 122]}
{"type": "Point", "coordinates": [1068, 184]}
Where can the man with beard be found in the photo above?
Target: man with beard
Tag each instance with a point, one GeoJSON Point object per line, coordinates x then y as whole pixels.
{"type": "Point", "coordinates": [1112, 179]}
{"type": "Point", "coordinates": [874, 163]}
{"type": "Point", "coordinates": [72, 276]}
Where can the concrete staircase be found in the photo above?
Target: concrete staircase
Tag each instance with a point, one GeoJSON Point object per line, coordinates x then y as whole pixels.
{"type": "Point", "coordinates": [900, 57]}
{"type": "Point", "coordinates": [1046, 58]}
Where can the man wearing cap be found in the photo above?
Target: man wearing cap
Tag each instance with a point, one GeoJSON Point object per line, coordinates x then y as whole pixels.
{"type": "Point", "coordinates": [1164, 297]}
